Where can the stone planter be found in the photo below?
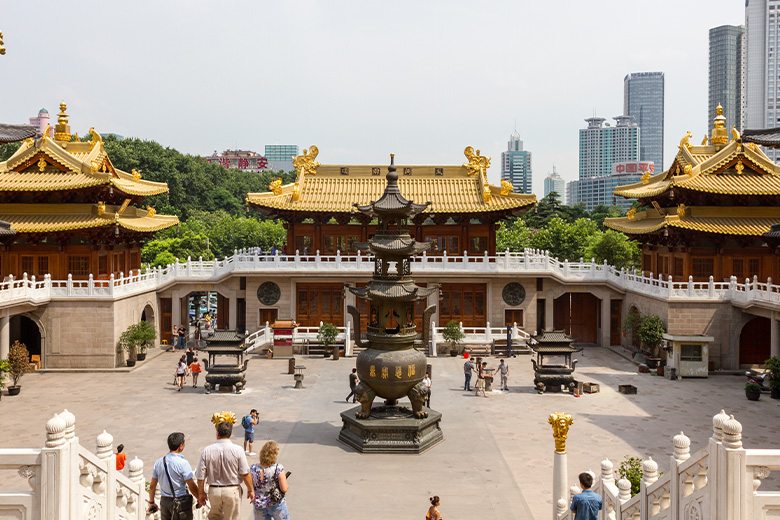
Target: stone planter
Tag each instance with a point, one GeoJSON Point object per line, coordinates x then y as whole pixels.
{"type": "Point", "coordinates": [753, 395]}
{"type": "Point", "coordinates": [141, 356]}
{"type": "Point", "coordinates": [453, 353]}
{"type": "Point", "coordinates": [131, 362]}
{"type": "Point", "coordinates": [14, 390]}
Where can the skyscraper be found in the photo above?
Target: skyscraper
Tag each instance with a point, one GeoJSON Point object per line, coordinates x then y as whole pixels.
{"type": "Point", "coordinates": [280, 156]}
{"type": "Point", "coordinates": [727, 73]}
{"type": "Point", "coordinates": [643, 99]}
{"type": "Point", "coordinates": [516, 165]}
{"type": "Point", "coordinates": [554, 182]}
{"type": "Point", "coordinates": [762, 86]}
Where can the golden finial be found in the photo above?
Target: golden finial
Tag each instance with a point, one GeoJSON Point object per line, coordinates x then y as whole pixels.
{"type": "Point", "coordinates": [150, 211]}
{"type": "Point", "coordinates": [684, 141]}
{"type": "Point", "coordinates": [136, 175]}
{"type": "Point", "coordinates": [305, 163]}
{"type": "Point", "coordinates": [704, 141]}
{"type": "Point", "coordinates": [62, 130]}
{"type": "Point", "coordinates": [101, 207]}
{"type": "Point", "coordinates": [560, 424]}
{"type": "Point", "coordinates": [720, 119]}
{"type": "Point", "coordinates": [719, 133]}
{"type": "Point", "coordinates": [645, 177]}
{"type": "Point", "coordinates": [220, 417]}
{"type": "Point", "coordinates": [506, 187]}
{"type": "Point", "coordinates": [631, 214]}
{"type": "Point", "coordinates": [688, 169]}
{"type": "Point", "coordinates": [2, 47]}
{"type": "Point", "coordinates": [681, 210]}
{"type": "Point", "coordinates": [276, 186]}
{"type": "Point", "coordinates": [42, 164]}
{"type": "Point", "coordinates": [677, 169]}
{"type": "Point", "coordinates": [739, 167]}
{"type": "Point", "coordinates": [478, 164]}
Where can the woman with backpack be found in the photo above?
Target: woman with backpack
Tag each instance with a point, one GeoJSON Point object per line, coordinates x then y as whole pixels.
{"type": "Point", "coordinates": [270, 483]}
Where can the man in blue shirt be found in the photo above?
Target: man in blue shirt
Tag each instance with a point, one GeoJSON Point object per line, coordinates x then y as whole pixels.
{"type": "Point", "coordinates": [181, 476]}
{"type": "Point", "coordinates": [249, 432]}
{"type": "Point", "coordinates": [586, 505]}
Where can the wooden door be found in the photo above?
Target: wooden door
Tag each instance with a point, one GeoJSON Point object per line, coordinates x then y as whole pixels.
{"type": "Point", "coordinates": [615, 325]}
{"type": "Point", "coordinates": [223, 312]}
{"type": "Point", "coordinates": [241, 317]}
{"type": "Point", "coordinates": [320, 302]}
{"type": "Point", "coordinates": [465, 303]}
{"type": "Point", "coordinates": [512, 316]}
{"type": "Point", "coordinates": [754, 342]}
{"type": "Point", "coordinates": [166, 319]}
{"type": "Point", "coordinates": [268, 316]}
{"type": "Point", "coordinates": [577, 314]}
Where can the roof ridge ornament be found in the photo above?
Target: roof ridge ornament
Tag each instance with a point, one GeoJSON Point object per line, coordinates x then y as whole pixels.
{"type": "Point", "coordinates": [305, 163]}
{"type": "Point", "coordinates": [684, 141]}
{"type": "Point", "coordinates": [62, 130]}
{"type": "Point", "coordinates": [506, 187]}
{"type": "Point", "coordinates": [478, 164]}
{"type": "Point", "coordinates": [719, 133]}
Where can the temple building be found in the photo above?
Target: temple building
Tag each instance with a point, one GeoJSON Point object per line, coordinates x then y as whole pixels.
{"type": "Point", "coordinates": [74, 212]}
{"type": "Point", "coordinates": [707, 213]}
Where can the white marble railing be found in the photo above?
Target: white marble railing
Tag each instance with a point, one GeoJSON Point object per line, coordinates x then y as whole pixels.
{"type": "Point", "coordinates": [719, 482]}
{"type": "Point", "coordinates": [264, 337]}
{"type": "Point", "coordinates": [528, 263]}
{"type": "Point", "coordinates": [68, 481]}
{"type": "Point", "coordinates": [479, 336]}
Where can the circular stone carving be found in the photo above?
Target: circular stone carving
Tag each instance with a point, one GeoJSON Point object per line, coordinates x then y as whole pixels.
{"type": "Point", "coordinates": [268, 293]}
{"type": "Point", "coordinates": [513, 293]}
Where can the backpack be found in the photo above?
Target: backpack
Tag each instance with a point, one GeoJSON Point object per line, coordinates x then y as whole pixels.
{"type": "Point", "coordinates": [246, 422]}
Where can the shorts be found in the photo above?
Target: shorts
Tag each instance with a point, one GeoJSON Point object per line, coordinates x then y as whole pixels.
{"type": "Point", "coordinates": [480, 383]}
{"type": "Point", "coordinates": [249, 436]}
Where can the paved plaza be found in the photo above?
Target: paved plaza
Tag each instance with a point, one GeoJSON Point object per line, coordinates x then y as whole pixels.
{"type": "Point", "coordinates": [495, 461]}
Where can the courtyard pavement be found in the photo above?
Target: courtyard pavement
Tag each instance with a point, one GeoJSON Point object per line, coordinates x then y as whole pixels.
{"type": "Point", "coordinates": [495, 461]}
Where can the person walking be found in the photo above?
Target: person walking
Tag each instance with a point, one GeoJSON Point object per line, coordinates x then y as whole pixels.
{"type": "Point", "coordinates": [182, 337]}
{"type": "Point", "coordinates": [433, 511]}
{"type": "Point", "coordinates": [248, 422]}
{"type": "Point", "coordinates": [190, 355]}
{"type": "Point", "coordinates": [181, 372]}
{"type": "Point", "coordinates": [174, 475]}
{"type": "Point", "coordinates": [120, 457]}
{"type": "Point", "coordinates": [223, 464]}
{"type": "Point", "coordinates": [198, 335]}
{"type": "Point", "coordinates": [175, 337]}
{"type": "Point", "coordinates": [427, 382]}
{"type": "Point", "coordinates": [353, 382]}
{"type": "Point", "coordinates": [586, 505]}
{"type": "Point", "coordinates": [503, 371]}
{"type": "Point", "coordinates": [468, 368]}
{"type": "Point", "coordinates": [195, 370]}
{"type": "Point", "coordinates": [480, 378]}
{"type": "Point", "coordinates": [266, 477]}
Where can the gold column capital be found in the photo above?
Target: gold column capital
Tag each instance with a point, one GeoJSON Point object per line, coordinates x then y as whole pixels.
{"type": "Point", "coordinates": [560, 424]}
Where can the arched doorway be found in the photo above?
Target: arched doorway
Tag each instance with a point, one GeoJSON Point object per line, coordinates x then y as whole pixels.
{"type": "Point", "coordinates": [26, 330]}
{"type": "Point", "coordinates": [754, 346]}
{"type": "Point", "coordinates": [148, 314]}
{"type": "Point", "coordinates": [578, 315]}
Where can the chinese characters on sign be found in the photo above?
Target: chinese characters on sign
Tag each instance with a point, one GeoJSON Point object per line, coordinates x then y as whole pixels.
{"type": "Point", "coordinates": [242, 160]}
{"type": "Point", "coordinates": [633, 167]}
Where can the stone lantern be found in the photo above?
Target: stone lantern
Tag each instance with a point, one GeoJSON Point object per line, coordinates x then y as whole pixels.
{"type": "Point", "coordinates": [390, 367]}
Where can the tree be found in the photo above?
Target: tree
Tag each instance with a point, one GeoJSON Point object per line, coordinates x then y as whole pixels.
{"type": "Point", "coordinates": [615, 248]}
{"type": "Point", "coordinates": [452, 334]}
{"type": "Point", "coordinates": [327, 335]}
{"type": "Point", "coordinates": [651, 332]}
{"type": "Point", "coordinates": [137, 338]}
{"type": "Point", "coordinates": [7, 150]}
{"type": "Point", "coordinates": [631, 470]}
{"type": "Point", "coordinates": [565, 241]}
{"type": "Point", "coordinates": [18, 361]}
{"type": "Point", "coordinates": [513, 235]}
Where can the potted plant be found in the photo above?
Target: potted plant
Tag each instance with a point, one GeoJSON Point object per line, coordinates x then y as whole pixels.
{"type": "Point", "coordinates": [135, 340]}
{"type": "Point", "coordinates": [773, 365]}
{"type": "Point", "coordinates": [18, 365]}
{"type": "Point", "coordinates": [3, 372]}
{"type": "Point", "coordinates": [327, 336]}
{"type": "Point", "coordinates": [453, 336]}
{"type": "Point", "coordinates": [752, 391]}
{"type": "Point", "coordinates": [651, 330]}
{"type": "Point", "coordinates": [631, 325]}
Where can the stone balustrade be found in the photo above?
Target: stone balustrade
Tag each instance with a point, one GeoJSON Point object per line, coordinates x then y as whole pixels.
{"type": "Point", "coordinates": [719, 482]}
{"type": "Point", "coordinates": [528, 263]}
{"type": "Point", "coordinates": [66, 480]}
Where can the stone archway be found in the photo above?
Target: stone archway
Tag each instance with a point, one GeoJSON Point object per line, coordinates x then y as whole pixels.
{"type": "Point", "coordinates": [754, 342]}
{"type": "Point", "coordinates": [27, 329]}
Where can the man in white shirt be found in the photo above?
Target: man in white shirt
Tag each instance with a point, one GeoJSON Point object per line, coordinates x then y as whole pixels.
{"type": "Point", "coordinates": [225, 467]}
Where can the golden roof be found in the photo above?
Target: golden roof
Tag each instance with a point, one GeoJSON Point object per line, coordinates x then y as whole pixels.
{"type": "Point", "coordinates": [752, 221]}
{"type": "Point", "coordinates": [50, 165]}
{"type": "Point", "coordinates": [48, 218]}
{"type": "Point", "coordinates": [335, 188]}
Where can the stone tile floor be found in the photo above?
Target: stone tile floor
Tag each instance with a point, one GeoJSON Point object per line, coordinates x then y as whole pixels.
{"type": "Point", "coordinates": [495, 462]}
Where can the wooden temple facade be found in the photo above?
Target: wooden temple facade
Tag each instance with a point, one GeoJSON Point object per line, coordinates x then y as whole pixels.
{"type": "Point", "coordinates": [320, 215]}
{"type": "Point", "coordinates": [708, 213]}
{"type": "Point", "coordinates": [73, 212]}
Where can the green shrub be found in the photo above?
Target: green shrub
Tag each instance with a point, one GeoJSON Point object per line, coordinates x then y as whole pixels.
{"type": "Point", "coordinates": [773, 365]}
{"type": "Point", "coordinates": [18, 361]}
{"type": "Point", "coordinates": [327, 334]}
{"type": "Point", "coordinates": [631, 470]}
{"type": "Point", "coordinates": [452, 334]}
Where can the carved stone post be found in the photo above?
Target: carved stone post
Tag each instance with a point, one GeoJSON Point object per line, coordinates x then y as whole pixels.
{"type": "Point", "coordinates": [136, 475]}
{"type": "Point", "coordinates": [560, 423]}
{"type": "Point", "coordinates": [735, 484]}
{"type": "Point", "coordinates": [55, 470]}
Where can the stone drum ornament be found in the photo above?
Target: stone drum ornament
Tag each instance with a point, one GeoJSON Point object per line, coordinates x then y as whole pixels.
{"type": "Point", "coordinates": [390, 367]}
{"type": "Point", "coordinates": [268, 293]}
{"type": "Point", "coordinates": [513, 294]}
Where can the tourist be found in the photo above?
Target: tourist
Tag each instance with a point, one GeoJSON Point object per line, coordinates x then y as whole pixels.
{"type": "Point", "coordinates": [175, 336]}
{"type": "Point", "coordinates": [586, 505]}
{"type": "Point", "coordinates": [174, 474]}
{"type": "Point", "coordinates": [433, 511]}
{"type": "Point", "coordinates": [195, 369]}
{"type": "Point", "coordinates": [353, 382]}
{"type": "Point", "coordinates": [190, 355]}
{"type": "Point", "coordinates": [468, 367]}
{"type": "Point", "coordinates": [182, 337]}
{"type": "Point", "coordinates": [266, 477]}
{"type": "Point", "coordinates": [503, 370]}
{"type": "Point", "coordinates": [274, 250]}
{"type": "Point", "coordinates": [197, 335]}
{"type": "Point", "coordinates": [427, 382]}
{"type": "Point", "coordinates": [481, 378]}
{"type": "Point", "coordinates": [248, 422]}
{"type": "Point", "coordinates": [181, 372]}
{"type": "Point", "coordinates": [120, 457]}
{"type": "Point", "coordinates": [224, 465]}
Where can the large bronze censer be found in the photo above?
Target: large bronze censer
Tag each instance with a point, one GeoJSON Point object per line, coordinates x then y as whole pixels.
{"type": "Point", "coordinates": [390, 367]}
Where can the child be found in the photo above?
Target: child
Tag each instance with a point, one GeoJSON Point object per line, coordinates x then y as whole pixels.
{"type": "Point", "coordinates": [120, 457]}
{"type": "Point", "coordinates": [433, 511]}
{"type": "Point", "coordinates": [195, 370]}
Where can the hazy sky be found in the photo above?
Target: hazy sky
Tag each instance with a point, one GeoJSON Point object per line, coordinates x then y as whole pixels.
{"type": "Point", "coordinates": [360, 79]}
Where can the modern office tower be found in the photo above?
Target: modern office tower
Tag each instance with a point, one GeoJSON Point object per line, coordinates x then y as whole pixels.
{"type": "Point", "coordinates": [643, 99]}
{"type": "Point", "coordinates": [554, 182]}
{"type": "Point", "coordinates": [280, 156]}
{"type": "Point", "coordinates": [602, 149]}
{"type": "Point", "coordinates": [516, 165]}
{"type": "Point", "coordinates": [762, 85]}
{"type": "Point", "coordinates": [727, 74]}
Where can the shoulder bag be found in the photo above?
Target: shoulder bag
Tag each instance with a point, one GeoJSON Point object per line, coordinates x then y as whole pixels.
{"type": "Point", "coordinates": [276, 494]}
{"type": "Point", "coordinates": [181, 505]}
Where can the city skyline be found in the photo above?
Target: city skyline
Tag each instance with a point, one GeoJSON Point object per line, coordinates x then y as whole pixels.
{"type": "Point", "coordinates": [337, 76]}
